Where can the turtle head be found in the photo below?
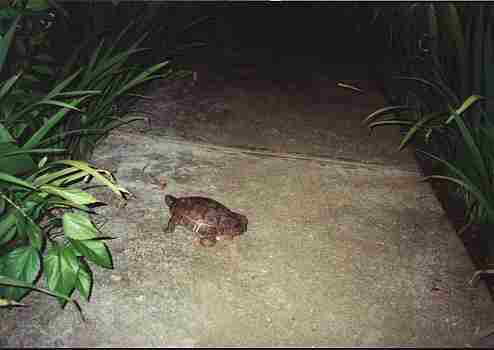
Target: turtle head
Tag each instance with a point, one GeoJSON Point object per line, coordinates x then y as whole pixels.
{"type": "Point", "coordinates": [242, 223]}
{"type": "Point", "coordinates": [170, 200]}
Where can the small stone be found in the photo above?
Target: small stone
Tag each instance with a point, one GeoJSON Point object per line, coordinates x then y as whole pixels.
{"type": "Point", "coordinates": [140, 298]}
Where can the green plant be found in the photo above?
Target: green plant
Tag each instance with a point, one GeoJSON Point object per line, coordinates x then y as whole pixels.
{"type": "Point", "coordinates": [423, 113]}
{"type": "Point", "coordinates": [467, 160]}
{"type": "Point", "coordinates": [473, 166]}
{"type": "Point", "coordinates": [46, 226]}
{"type": "Point", "coordinates": [107, 72]}
{"type": "Point", "coordinates": [448, 43]}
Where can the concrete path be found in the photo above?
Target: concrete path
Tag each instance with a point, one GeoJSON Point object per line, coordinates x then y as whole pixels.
{"type": "Point", "coordinates": [340, 251]}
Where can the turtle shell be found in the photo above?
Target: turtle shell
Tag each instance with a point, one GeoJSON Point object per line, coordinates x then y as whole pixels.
{"type": "Point", "coordinates": [208, 218]}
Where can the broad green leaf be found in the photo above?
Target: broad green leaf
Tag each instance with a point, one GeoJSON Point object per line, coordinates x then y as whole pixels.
{"type": "Point", "coordinates": [78, 226]}
{"type": "Point", "coordinates": [61, 267]}
{"type": "Point", "coordinates": [20, 223]}
{"type": "Point", "coordinates": [22, 263]}
{"type": "Point", "coordinates": [75, 195]}
{"type": "Point", "coordinates": [95, 251]}
{"type": "Point", "coordinates": [7, 228]}
{"type": "Point", "coordinates": [35, 234]}
{"type": "Point", "coordinates": [84, 282]}
{"type": "Point", "coordinates": [6, 281]}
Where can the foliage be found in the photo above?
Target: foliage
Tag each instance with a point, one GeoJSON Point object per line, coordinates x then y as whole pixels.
{"type": "Point", "coordinates": [448, 43]}
{"type": "Point", "coordinates": [106, 71]}
{"type": "Point", "coordinates": [467, 160]}
{"type": "Point", "coordinates": [46, 226]}
{"type": "Point", "coordinates": [29, 51]}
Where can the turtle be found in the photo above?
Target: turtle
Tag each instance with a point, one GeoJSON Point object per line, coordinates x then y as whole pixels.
{"type": "Point", "coordinates": [211, 220]}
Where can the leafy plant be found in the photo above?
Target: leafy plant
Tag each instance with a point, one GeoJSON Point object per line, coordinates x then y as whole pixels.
{"type": "Point", "coordinates": [448, 43]}
{"type": "Point", "coordinates": [467, 160]}
{"type": "Point", "coordinates": [423, 112]}
{"type": "Point", "coordinates": [473, 167]}
{"type": "Point", "coordinates": [46, 226]}
{"type": "Point", "coordinates": [106, 71]}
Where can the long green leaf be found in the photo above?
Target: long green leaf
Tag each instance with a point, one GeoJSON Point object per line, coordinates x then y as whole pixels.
{"type": "Point", "coordinates": [75, 195]}
{"type": "Point", "coordinates": [390, 122]}
{"type": "Point", "coordinates": [45, 129]}
{"type": "Point", "coordinates": [92, 61]}
{"type": "Point", "coordinates": [4, 177]}
{"type": "Point", "coordinates": [446, 94]}
{"type": "Point", "coordinates": [141, 78]}
{"type": "Point", "coordinates": [386, 110]}
{"type": "Point", "coordinates": [105, 67]}
{"type": "Point", "coordinates": [58, 104]}
{"type": "Point", "coordinates": [6, 41]}
{"type": "Point", "coordinates": [51, 176]}
{"type": "Point", "coordinates": [477, 158]}
{"type": "Point", "coordinates": [479, 195]}
{"type": "Point", "coordinates": [33, 151]}
{"type": "Point", "coordinates": [14, 164]}
{"type": "Point", "coordinates": [417, 126]}
{"type": "Point", "coordinates": [8, 85]}
{"type": "Point", "coordinates": [461, 179]}
{"type": "Point", "coordinates": [96, 174]}
{"type": "Point", "coordinates": [469, 102]}
{"type": "Point", "coordinates": [5, 136]}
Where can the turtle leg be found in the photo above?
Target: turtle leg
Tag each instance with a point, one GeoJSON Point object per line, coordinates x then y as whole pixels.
{"type": "Point", "coordinates": [207, 241]}
{"type": "Point", "coordinates": [225, 237]}
{"type": "Point", "coordinates": [196, 241]}
{"type": "Point", "coordinates": [171, 224]}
